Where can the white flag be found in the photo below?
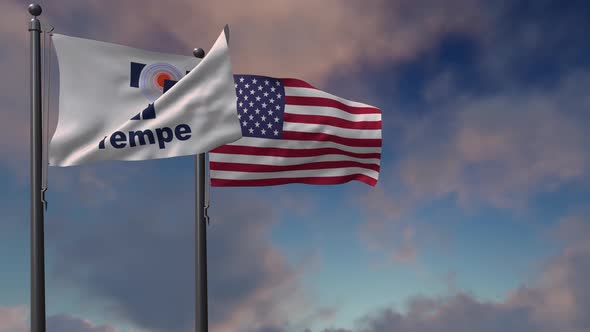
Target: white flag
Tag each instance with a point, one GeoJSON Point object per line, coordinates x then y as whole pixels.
{"type": "Point", "coordinates": [122, 103]}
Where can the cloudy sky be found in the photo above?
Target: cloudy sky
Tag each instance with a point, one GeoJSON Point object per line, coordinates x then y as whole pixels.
{"type": "Point", "coordinates": [479, 221]}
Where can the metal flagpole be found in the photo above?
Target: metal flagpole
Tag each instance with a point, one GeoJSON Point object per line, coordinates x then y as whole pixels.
{"type": "Point", "coordinates": [37, 236]}
{"type": "Point", "coordinates": [201, 308]}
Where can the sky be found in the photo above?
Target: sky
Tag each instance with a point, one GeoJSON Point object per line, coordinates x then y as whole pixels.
{"type": "Point", "coordinates": [478, 223]}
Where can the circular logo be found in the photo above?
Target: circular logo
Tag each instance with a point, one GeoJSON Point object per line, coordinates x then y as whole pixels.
{"type": "Point", "coordinates": [153, 77]}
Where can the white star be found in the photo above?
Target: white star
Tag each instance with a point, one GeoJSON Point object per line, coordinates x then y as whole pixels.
{"type": "Point", "coordinates": [254, 81]}
{"type": "Point", "coordinates": [272, 101]}
{"type": "Point", "coordinates": [241, 104]}
{"type": "Point", "coordinates": [276, 132]}
{"type": "Point", "coordinates": [270, 112]}
{"type": "Point", "coordinates": [239, 116]}
{"type": "Point", "coordinates": [257, 111]}
{"type": "Point", "coordinates": [278, 107]}
{"type": "Point", "coordinates": [240, 91]}
{"type": "Point", "coordinates": [252, 92]}
{"type": "Point", "coordinates": [263, 118]}
{"type": "Point", "coordinates": [251, 131]}
{"type": "Point", "coordinates": [269, 125]}
{"type": "Point", "coordinates": [244, 123]}
{"type": "Point", "coordinates": [257, 98]}
{"type": "Point", "coordinates": [241, 79]}
{"type": "Point", "coordinates": [251, 104]}
{"type": "Point", "coordinates": [266, 82]}
{"type": "Point", "coordinates": [236, 85]}
{"type": "Point", "coordinates": [251, 117]}
{"type": "Point", "coordinates": [257, 124]}
{"type": "Point", "coordinates": [245, 97]}
{"type": "Point", "coordinates": [277, 119]}
{"type": "Point", "coordinates": [245, 110]}
{"type": "Point", "coordinates": [247, 85]}
{"type": "Point", "coordinates": [266, 94]}
{"type": "Point", "coordinates": [278, 83]}
{"type": "Point", "coordinates": [279, 95]}
{"type": "Point", "coordinates": [260, 88]}
{"type": "Point", "coordinates": [272, 89]}
{"type": "Point", "coordinates": [264, 105]}
{"type": "Point", "coordinates": [263, 131]}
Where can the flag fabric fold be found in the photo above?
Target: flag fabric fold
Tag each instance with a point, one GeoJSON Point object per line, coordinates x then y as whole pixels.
{"type": "Point", "coordinates": [122, 103]}
{"type": "Point", "coordinates": [296, 133]}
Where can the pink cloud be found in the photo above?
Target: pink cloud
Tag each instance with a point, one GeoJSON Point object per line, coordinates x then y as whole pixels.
{"type": "Point", "coordinates": [16, 319]}
{"type": "Point", "coordinates": [69, 323]}
{"type": "Point", "coordinates": [498, 150]}
{"type": "Point", "coordinates": [13, 319]}
{"type": "Point", "coordinates": [557, 299]}
{"type": "Point", "coordinates": [304, 39]}
{"type": "Point", "coordinates": [494, 150]}
{"type": "Point", "coordinates": [391, 229]}
{"type": "Point", "coordinates": [252, 284]}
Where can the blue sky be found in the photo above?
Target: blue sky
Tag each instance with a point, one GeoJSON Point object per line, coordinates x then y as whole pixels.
{"type": "Point", "coordinates": [477, 223]}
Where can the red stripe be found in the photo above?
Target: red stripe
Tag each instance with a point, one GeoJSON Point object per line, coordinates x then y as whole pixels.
{"type": "Point", "coordinates": [281, 152]}
{"type": "Point", "coordinates": [326, 102]}
{"type": "Point", "coordinates": [257, 168]}
{"type": "Point", "coordinates": [279, 181]}
{"type": "Point", "coordinates": [295, 83]}
{"type": "Point", "coordinates": [331, 121]}
{"type": "Point", "coordinates": [299, 136]}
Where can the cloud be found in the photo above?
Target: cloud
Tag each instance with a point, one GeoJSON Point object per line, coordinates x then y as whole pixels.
{"type": "Point", "coordinates": [68, 323]}
{"type": "Point", "coordinates": [457, 313]}
{"type": "Point", "coordinates": [390, 227]}
{"type": "Point", "coordinates": [138, 266]}
{"type": "Point", "coordinates": [561, 294]}
{"type": "Point", "coordinates": [303, 39]}
{"type": "Point", "coordinates": [557, 299]}
{"type": "Point", "coordinates": [493, 150]}
{"type": "Point", "coordinates": [14, 95]}
{"type": "Point", "coordinates": [493, 127]}
{"type": "Point", "coordinates": [497, 150]}
{"type": "Point", "coordinates": [15, 319]}
{"type": "Point", "coordinates": [522, 45]}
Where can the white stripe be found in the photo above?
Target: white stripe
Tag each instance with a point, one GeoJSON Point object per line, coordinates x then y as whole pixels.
{"type": "Point", "coordinates": [330, 111]}
{"type": "Point", "coordinates": [341, 132]}
{"type": "Point", "coordinates": [293, 144]}
{"type": "Point", "coordinates": [307, 92]}
{"type": "Point", "coordinates": [227, 175]}
{"type": "Point", "coordinates": [284, 161]}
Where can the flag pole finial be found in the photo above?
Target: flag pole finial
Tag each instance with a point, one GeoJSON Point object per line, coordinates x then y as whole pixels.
{"type": "Point", "coordinates": [199, 53]}
{"type": "Point", "coordinates": [35, 9]}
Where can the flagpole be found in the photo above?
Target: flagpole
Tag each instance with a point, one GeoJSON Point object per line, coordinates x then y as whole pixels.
{"type": "Point", "coordinates": [201, 306]}
{"type": "Point", "coordinates": [37, 233]}
{"type": "Point", "coordinates": [200, 246]}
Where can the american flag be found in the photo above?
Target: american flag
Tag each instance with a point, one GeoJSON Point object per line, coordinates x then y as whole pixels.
{"type": "Point", "coordinates": [295, 133]}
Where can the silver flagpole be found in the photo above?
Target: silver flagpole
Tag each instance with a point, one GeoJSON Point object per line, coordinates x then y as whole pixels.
{"type": "Point", "coordinates": [201, 307]}
{"type": "Point", "coordinates": [37, 234]}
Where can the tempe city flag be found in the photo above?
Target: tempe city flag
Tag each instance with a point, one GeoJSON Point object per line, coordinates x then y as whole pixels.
{"type": "Point", "coordinates": [296, 133]}
{"type": "Point", "coordinates": [123, 103]}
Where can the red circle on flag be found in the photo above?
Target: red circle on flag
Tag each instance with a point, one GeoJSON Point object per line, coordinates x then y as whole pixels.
{"type": "Point", "coordinates": [161, 77]}
{"type": "Point", "coordinates": [153, 77]}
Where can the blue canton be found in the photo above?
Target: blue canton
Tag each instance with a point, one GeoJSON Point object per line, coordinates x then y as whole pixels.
{"type": "Point", "coordinates": [261, 105]}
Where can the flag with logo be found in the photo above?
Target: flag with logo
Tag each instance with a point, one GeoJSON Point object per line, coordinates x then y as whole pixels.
{"type": "Point", "coordinates": [123, 103]}
{"type": "Point", "coordinates": [296, 133]}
